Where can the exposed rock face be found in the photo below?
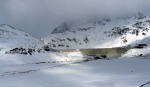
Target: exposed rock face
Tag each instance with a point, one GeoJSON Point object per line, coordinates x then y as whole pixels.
{"type": "Point", "coordinates": [100, 32]}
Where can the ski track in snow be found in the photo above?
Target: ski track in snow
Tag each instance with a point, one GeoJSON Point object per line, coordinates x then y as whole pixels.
{"type": "Point", "coordinates": [59, 66]}
{"type": "Point", "coordinates": [34, 70]}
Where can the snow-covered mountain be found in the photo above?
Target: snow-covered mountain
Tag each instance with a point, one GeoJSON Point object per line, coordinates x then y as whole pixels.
{"type": "Point", "coordinates": [11, 37]}
{"type": "Point", "coordinates": [101, 32]}
{"type": "Point", "coordinates": [68, 69]}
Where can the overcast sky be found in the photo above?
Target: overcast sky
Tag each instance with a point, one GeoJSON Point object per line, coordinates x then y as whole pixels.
{"type": "Point", "coordinates": [40, 17]}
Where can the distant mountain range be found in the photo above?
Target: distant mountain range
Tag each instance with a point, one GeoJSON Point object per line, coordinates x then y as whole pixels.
{"type": "Point", "coordinates": [96, 32]}
{"type": "Point", "coordinates": [101, 32]}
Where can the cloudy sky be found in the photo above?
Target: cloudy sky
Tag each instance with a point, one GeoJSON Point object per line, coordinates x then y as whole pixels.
{"type": "Point", "coordinates": [40, 17]}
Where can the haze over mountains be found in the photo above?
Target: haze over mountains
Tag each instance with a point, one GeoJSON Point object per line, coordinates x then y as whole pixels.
{"type": "Point", "coordinates": [27, 61]}
{"type": "Point", "coordinates": [43, 16]}
{"type": "Point", "coordinates": [74, 43]}
{"type": "Point", "coordinates": [100, 32]}
{"type": "Point", "coordinates": [96, 32]}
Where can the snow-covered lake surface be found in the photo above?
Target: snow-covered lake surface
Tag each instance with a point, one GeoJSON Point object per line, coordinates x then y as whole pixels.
{"type": "Point", "coordinates": [26, 71]}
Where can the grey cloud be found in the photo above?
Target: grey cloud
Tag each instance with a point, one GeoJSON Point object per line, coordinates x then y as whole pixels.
{"type": "Point", "coordinates": [40, 17]}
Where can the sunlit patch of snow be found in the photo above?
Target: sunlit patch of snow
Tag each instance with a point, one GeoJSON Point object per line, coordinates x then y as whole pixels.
{"type": "Point", "coordinates": [144, 53]}
{"type": "Point", "coordinates": [69, 56]}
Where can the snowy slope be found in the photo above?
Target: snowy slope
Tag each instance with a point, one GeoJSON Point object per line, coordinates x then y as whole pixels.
{"type": "Point", "coordinates": [49, 69]}
{"type": "Point", "coordinates": [101, 32]}
{"type": "Point", "coordinates": [11, 37]}
{"type": "Point", "coordinates": [100, 73]}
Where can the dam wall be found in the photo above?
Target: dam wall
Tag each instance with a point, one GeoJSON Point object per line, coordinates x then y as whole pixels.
{"type": "Point", "coordinates": [103, 52]}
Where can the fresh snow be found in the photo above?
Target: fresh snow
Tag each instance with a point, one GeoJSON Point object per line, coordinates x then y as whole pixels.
{"type": "Point", "coordinates": [72, 69]}
{"type": "Point", "coordinates": [101, 32]}
{"type": "Point", "coordinates": [131, 72]}
{"type": "Point", "coordinates": [67, 70]}
{"type": "Point", "coordinates": [11, 37]}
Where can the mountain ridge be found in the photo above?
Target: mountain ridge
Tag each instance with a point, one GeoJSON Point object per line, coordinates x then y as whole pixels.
{"type": "Point", "coordinates": [11, 37]}
{"type": "Point", "coordinates": [100, 32]}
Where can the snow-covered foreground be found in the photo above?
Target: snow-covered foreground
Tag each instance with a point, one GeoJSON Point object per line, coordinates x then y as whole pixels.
{"type": "Point", "coordinates": [123, 72]}
{"type": "Point", "coordinates": [25, 61]}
